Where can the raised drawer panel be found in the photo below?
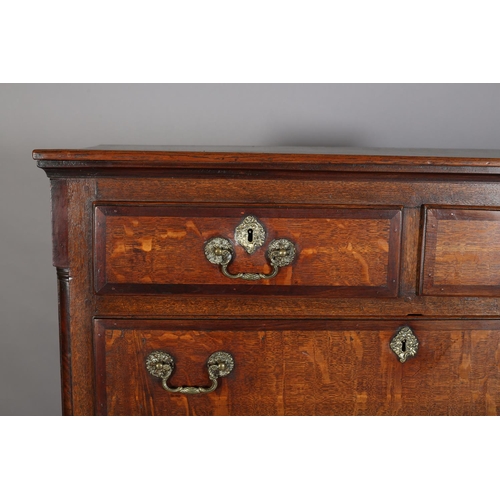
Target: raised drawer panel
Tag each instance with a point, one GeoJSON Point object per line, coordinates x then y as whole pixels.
{"type": "Point", "coordinates": [160, 249]}
{"type": "Point", "coordinates": [461, 252]}
{"type": "Point", "coordinates": [300, 367]}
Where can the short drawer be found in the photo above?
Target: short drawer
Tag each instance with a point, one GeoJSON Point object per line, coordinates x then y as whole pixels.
{"type": "Point", "coordinates": [147, 249]}
{"type": "Point", "coordinates": [461, 252]}
{"type": "Point", "coordinates": [299, 367]}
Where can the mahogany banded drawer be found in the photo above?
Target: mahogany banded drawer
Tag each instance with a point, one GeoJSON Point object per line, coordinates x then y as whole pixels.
{"type": "Point", "coordinates": [160, 248]}
{"type": "Point", "coordinates": [284, 282]}
{"type": "Point", "coordinates": [461, 254]}
{"type": "Point", "coordinates": [294, 367]}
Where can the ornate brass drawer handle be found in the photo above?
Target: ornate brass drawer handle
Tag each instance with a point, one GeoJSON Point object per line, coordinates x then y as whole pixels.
{"type": "Point", "coordinates": [404, 344]}
{"type": "Point", "coordinates": [250, 234]}
{"type": "Point", "coordinates": [161, 364]}
{"type": "Point", "coordinates": [220, 251]}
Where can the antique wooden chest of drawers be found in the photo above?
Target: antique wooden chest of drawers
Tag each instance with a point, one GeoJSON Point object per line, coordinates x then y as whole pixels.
{"type": "Point", "coordinates": [292, 281]}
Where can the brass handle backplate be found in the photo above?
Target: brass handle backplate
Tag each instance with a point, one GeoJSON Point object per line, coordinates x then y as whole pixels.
{"type": "Point", "coordinates": [404, 344]}
{"type": "Point", "coordinates": [160, 364]}
{"type": "Point", "coordinates": [250, 234]}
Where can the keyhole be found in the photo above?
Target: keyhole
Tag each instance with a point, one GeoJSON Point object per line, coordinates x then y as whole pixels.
{"type": "Point", "coordinates": [250, 235]}
{"type": "Point", "coordinates": [403, 345]}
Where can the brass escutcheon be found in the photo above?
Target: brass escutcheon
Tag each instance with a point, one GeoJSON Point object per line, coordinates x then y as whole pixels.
{"type": "Point", "coordinates": [250, 234]}
{"type": "Point", "coordinates": [404, 344]}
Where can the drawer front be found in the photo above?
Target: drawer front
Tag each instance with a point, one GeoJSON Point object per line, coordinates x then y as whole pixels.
{"type": "Point", "coordinates": [461, 252]}
{"type": "Point", "coordinates": [300, 367]}
{"type": "Point", "coordinates": [162, 249]}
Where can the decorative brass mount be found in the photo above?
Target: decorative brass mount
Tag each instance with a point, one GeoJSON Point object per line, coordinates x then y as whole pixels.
{"type": "Point", "coordinates": [250, 234]}
{"type": "Point", "coordinates": [404, 344]}
{"type": "Point", "coordinates": [161, 364]}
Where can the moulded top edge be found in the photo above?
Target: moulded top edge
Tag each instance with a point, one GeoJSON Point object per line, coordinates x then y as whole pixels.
{"type": "Point", "coordinates": [200, 155]}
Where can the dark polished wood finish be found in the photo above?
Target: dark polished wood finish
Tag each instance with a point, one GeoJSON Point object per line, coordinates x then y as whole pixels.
{"type": "Point", "coordinates": [207, 155]}
{"type": "Point", "coordinates": [386, 238]}
{"type": "Point", "coordinates": [63, 279]}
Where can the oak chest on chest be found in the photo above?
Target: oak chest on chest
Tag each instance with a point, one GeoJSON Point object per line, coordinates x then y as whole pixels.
{"type": "Point", "coordinates": [292, 281]}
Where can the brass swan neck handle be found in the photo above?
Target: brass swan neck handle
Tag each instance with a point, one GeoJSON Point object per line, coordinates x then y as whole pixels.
{"type": "Point", "coordinates": [220, 251]}
{"type": "Point", "coordinates": [160, 364]}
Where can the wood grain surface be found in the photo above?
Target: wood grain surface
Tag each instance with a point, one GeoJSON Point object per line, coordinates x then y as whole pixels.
{"type": "Point", "coordinates": [301, 368]}
{"type": "Point", "coordinates": [81, 304]}
{"type": "Point", "coordinates": [354, 190]}
{"type": "Point", "coordinates": [274, 306]}
{"type": "Point", "coordinates": [207, 155]}
{"type": "Point", "coordinates": [462, 252]}
{"type": "Point", "coordinates": [354, 250]}
{"type": "Point", "coordinates": [63, 294]}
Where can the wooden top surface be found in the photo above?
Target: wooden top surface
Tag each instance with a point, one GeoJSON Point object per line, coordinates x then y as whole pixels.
{"type": "Point", "coordinates": [271, 155]}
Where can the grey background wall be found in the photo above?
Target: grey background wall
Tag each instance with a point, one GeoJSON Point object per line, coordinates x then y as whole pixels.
{"type": "Point", "coordinates": [80, 115]}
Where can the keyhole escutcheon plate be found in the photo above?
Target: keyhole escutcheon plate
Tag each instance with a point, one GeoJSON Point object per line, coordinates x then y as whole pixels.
{"type": "Point", "coordinates": [404, 344]}
{"type": "Point", "coordinates": [250, 234]}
